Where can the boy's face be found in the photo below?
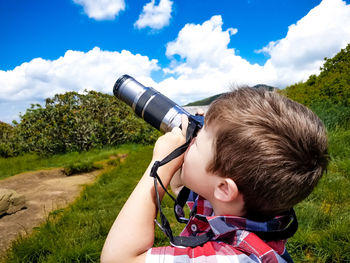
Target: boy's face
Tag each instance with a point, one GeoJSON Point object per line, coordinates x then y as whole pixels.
{"type": "Point", "coordinates": [197, 157]}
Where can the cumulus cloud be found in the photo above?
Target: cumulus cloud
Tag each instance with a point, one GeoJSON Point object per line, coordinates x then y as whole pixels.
{"type": "Point", "coordinates": [321, 33]}
{"type": "Point", "coordinates": [155, 16]}
{"type": "Point", "coordinates": [75, 71]}
{"type": "Point", "coordinates": [207, 66]}
{"type": "Point", "coordinates": [101, 9]}
{"type": "Point", "coordinates": [197, 43]}
{"type": "Point", "coordinates": [201, 62]}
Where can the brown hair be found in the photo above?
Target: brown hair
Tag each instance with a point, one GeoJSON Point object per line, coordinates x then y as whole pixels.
{"type": "Point", "coordinates": [275, 149]}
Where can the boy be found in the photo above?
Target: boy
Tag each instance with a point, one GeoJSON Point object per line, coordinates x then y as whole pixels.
{"type": "Point", "coordinates": [257, 156]}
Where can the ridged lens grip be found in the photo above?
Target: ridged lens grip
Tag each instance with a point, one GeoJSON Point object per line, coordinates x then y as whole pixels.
{"type": "Point", "coordinates": [119, 83]}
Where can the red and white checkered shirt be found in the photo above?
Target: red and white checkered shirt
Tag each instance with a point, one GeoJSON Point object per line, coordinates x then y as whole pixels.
{"type": "Point", "coordinates": [233, 240]}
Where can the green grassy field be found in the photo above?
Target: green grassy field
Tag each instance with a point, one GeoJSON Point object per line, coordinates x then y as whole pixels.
{"type": "Point", "coordinates": [324, 217]}
{"type": "Point", "coordinates": [77, 234]}
{"type": "Point", "coordinates": [32, 162]}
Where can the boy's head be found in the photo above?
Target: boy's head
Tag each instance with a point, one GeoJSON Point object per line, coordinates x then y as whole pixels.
{"type": "Point", "coordinates": [273, 148]}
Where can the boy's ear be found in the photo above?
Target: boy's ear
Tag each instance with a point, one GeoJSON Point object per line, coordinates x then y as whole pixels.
{"type": "Point", "coordinates": [226, 190]}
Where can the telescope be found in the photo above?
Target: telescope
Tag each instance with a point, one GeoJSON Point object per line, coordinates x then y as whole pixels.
{"type": "Point", "coordinates": [152, 106]}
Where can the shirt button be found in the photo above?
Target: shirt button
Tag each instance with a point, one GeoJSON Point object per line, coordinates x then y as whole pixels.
{"type": "Point", "coordinates": [194, 227]}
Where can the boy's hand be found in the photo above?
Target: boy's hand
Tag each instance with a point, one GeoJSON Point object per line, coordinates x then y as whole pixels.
{"type": "Point", "coordinates": [168, 143]}
{"type": "Point", "coordinates": [176, 182]}
{"type": "Point", "coordinates": [132, 233]}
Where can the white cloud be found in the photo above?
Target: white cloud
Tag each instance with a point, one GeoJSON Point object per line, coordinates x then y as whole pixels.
{"type": "Point", "coordinates": [155, 16]}
{"type": "Point", "coordinates": [197, 43]}
{"type": "Point", "coordinates": [75, 71]}
{"type": "Point", "coordinates": [207, 66]}
{"type": "Point", "coordinates": [321, 33]}
{"type": "Point", "coordinates": [101, 9]}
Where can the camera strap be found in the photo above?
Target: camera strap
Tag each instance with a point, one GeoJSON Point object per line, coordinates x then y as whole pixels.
{"type": "Point", "coordinates": [191, 241]}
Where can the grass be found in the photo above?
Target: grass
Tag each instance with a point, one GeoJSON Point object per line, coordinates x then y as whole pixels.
{"type": "Point", "coordinates": [32, 162]}
{"type": "Point", "coordinates": [77, 234]}
{"type": "Point", "coordinates": [324, 217]}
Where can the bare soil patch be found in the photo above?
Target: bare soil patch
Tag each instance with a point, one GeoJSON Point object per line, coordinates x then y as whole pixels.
{"type": "Point", "coordinates": [44, 191]}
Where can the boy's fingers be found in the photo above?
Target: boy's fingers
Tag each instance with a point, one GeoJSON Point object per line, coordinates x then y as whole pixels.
{"type": "Point", "coordinates": [176, 130]}
{"type": "Point", "coordinates": [200, 112]}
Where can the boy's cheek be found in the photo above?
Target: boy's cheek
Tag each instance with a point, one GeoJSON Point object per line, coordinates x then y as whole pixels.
{"type": "Point", "coordinates": [188, 149]}
{"type": "Point", "coordinates": [185, 168]}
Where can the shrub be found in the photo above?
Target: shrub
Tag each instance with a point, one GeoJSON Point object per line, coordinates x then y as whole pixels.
{"type": "Point", "coordinates": [332, 85]}
{"type": "Point", "coordinates": [81, 167]}
{"type": "Point", "coordinates": [9, 145]}
{"type": "Point", "coordinates": [75, 122]}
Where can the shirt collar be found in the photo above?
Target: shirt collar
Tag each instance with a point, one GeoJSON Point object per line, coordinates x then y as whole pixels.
{"type": "Point", "coordinates": [221, 225]}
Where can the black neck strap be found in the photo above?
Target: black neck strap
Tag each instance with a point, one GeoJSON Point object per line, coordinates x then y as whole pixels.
{"type": "Point", "coordinates": [283, 233]}
{"type": "Point", "coordinates": [164, 225]}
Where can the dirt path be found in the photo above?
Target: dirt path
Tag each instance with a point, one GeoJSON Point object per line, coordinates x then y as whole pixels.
{"type": "Point", "coordinates": [44, 191]}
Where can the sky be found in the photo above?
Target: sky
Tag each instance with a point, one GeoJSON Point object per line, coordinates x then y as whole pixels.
{"type": "Point", "coordinates": [186, 49]}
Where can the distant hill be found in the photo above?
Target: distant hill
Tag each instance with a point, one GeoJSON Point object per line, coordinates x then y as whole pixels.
{"type": "Point", "coordinates": [205, 101]}
{"type": "Point", "coordinates": [263, 86]}
{"type": "Point", "coordinates": [209, 100]}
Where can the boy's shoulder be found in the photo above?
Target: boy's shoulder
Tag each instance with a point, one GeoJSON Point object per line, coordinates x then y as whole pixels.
{"type": "Point", "coordinates": [250, 249]}
{"type": "Point", "coordinates": [233, 237]}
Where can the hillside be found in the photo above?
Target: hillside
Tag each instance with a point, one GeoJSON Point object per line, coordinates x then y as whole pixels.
{"type": "Point", "coordinates": [205, 101]}
{"type": "Point", "coordinates": [209, 100]}
{"type": "Point", "coordinates": [332, 85]}
{"type": "Point", "coordinates": [327, 94]}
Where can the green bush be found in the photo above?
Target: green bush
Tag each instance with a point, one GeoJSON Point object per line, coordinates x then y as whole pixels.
{"type": "Point", "coordinates": [9, 146]}
{"type": "Point", "coordinates": [75, 122]}
{"type": "Point", "coordinates": [332, 85]}
{"type": "Point", "coordinates": [81, 167]}
{"type": "Point", "coordinates": [114, 162]}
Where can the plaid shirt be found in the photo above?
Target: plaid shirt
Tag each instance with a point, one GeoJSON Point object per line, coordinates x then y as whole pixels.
{"type": "Point", "coordinates": [233, 241]}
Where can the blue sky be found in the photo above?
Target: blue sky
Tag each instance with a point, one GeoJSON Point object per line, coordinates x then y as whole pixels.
{"type": "Point", "coordinates": [187, 49]}
{"type": "Point", "coordinates": [47, 29]}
